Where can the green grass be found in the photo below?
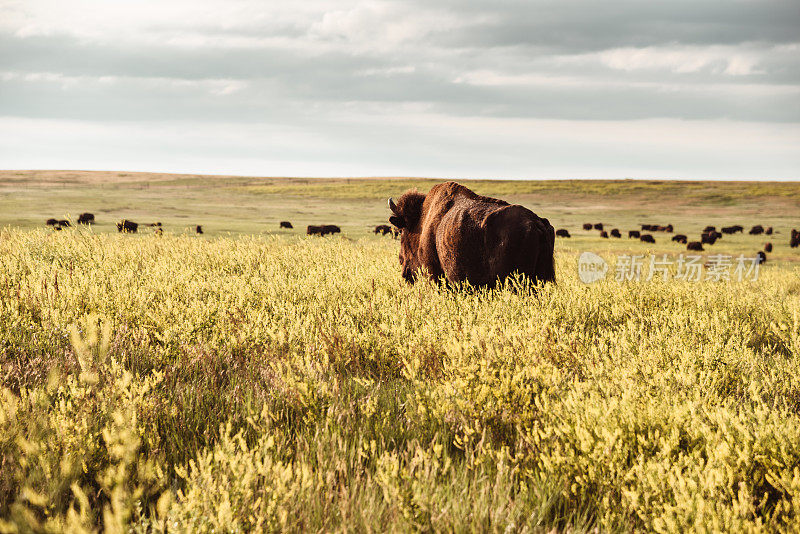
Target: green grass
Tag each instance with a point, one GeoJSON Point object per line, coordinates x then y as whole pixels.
{"type": "Point", "coordinates": [256, 380]}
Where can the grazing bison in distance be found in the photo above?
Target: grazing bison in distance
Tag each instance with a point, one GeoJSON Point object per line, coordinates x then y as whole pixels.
{"type": "Point", "coordinates": [604, 234]}
{"type": "Point", "coordinates": [768, 231]}
{"type": "Point", "coordinates": [634, 234]}
{"type": "Point", "coordinates": [762, 258]}
{"type": "Point", "coordinates": [313, 230]}
{"type": "Point", "coordinates": [286, 224]}
{"type": "Point", "coordinates": [52, 222]}
{"type": "Point", "coordinates": [708, 238]}
{"type": "Point", "coordinates": [794, 241]}
{"type": "Point", "coordinates": [126, 226]}
{"type": "Point", "coordinates": [561, 232]}
{"type": "Point", "coordinates": [695, 245]}
{"type": "Point", "coordinates": [708, 229]}
{"type": "Point", "coordinates": [598, 226]}
{"type": "Point", "coordinates": [465, 237]}
{"type": "Point", "coordinates": [680, 238]}
{"type": "Point", "coordinates": [198, 229]}
{"type": "Point", "coordinates": [86, 218]}
{"type": "Point", "coordinates": [768, 247]}
{"type": "Point", "coordinates": [587, 226]}
{"type": "Point", "coordinates": [330, 229]}
{"type": "Point", "coordinates": [756, 230]}
{"type": "Point", "coordinates": [382, 229]}
{"type": "Point", "coordinates": [647, 238]}
{"type": "Point", "coordinates": [615, 233]}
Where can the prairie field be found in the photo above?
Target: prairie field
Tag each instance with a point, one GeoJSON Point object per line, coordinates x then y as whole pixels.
{"type": "Point", "coordinates": [251, 379]}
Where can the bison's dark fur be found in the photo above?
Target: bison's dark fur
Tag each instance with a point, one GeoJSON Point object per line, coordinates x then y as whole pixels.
{"type": "Point", "coordinates": [756, 230]}
{"type": "Point", "coordinates": [768, 231]}
{"type": "Point", "coordinates": [615, 232]}
{"type": "Point", "coordinates": [313, 230]}
{"type": "Point", "coordinates": [198, 229]}
{"type": "Point", "coordinates": [634, 234]}
{"type": "Point", "coordinates": [127, 226]}
{"type": "Point", "coordinates": [453, 233]}
{"type": "Point", "coordinates": [647, 238]}
{"type": "Point", "coordinates": [604, 234]}
{"type": "Point", "coordinates": [587, 226]}
{"type": "Point", "coordinates": [680, 238]}
{"type": "Point", "coordinates": [709, 229]}
{"type": "Point", "coordinates": [286, 224]}
{"type": "Point", "coordinates": [598, 226]}
{"type": "Point", "coordinates": [561, 232]}
{"type": "Point", "coordinates": [708, 238]}
{"type": "Point", "coordinates": [86, 218]}
{"type": "Point", "coordinates": [382, 229]}
{"type": "Point", "coordinates": [52, 222]}
{"type": "Point", "coordinates": [794, 241]}
{"type": "Point", "coordinates": [768, 247]}
{"type": "Point", "coordinates": [762, 258]}
{"type": "Point", "coordinates": [695, 245]}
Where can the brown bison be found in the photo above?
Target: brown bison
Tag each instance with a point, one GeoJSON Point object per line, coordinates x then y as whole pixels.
{"type": "Point", "coordinates": [647, 227]}
{"type": "Point", "coordinates": [634, 234]}
{"type": "Point", "coordinates": [330, 229]}
{"type": "Point", "coordinates": [762, 258]}
{"type": "Point", "coordinates": [454, 233]}
{"type": "Point", "coordinates": [768, 247]}
{"type": "Point", "coordinates": [314, 230]}
{"type": "Point", "coordinates": [286, 224]}
{"type": "Point", "coordinates": [86, 218]}
{"type": "Point", "coordinates": [647, 238]}
{"type": "Point", "coordinates": [708, 238]}
{"type": "Point", "coordinates": [615, 233]}
{"type": "Point", "coordinates": [794, 241]}
{"type": "Point", "coordinates": [52, 222]}
{"type": "Point", "coordinates": [598, 226]}
{"type": "Point", "coordinates": [708, 229]}
{"type": "Point", "coordinates": [695, 245]}
{"type": "Point", "coordinates": [680, 238]}
{"type": "Point", "coordinates": [731, 229]}
{"type": "Point", "coordinates": [561, 232]}
{"type": "Point", "coordinates": [382, 229]}
{"type": "Point", "coordinates": [768, 231]}
{"type": "Point", "coordinates": [604, 234]}
{"type": "Point", "coordinates": [587, 226]}
{"type": "Point", "coordinates": [198, 229]}
{"type": "Point", "coordinates": [756, 230]}
{"type": "Point", "coordinates": [128, 227]}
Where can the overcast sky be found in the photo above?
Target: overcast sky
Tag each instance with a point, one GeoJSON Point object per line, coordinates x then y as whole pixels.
{"type": "Point", "coordinates": [693, 89]}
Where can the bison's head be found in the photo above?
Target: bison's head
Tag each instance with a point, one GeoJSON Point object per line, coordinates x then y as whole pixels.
{"type": "Point", "coordinates": [407, 215]}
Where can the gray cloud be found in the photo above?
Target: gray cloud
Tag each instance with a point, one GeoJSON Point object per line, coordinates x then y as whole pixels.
{"type": "Point", "coordinates": [330, 66]}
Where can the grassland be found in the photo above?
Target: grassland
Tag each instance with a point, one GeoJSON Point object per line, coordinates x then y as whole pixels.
{"type": "Point", "coordinates": [284, 383]}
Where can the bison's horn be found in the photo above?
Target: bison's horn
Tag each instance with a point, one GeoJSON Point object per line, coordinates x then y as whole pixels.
{"type": "Point", "coordinates": [392, 205]}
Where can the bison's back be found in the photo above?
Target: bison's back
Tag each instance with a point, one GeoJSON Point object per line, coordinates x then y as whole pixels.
{"type": "Point", "coordinates": [481, 243]}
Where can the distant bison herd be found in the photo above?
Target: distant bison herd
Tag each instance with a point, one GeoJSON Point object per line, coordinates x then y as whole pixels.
{"type": "Point", "coordinates": [708, 236]}
{"type": "Point", "coordinates": [454, 233]}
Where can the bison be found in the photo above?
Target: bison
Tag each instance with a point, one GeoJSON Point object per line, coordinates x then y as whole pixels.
{"type": "Point", "coordinates": [604, 234]}
{"type": "Point", "coordinates": [615, 233]}
{"type": "Point", "coordinates": [454, 233]}
{"type": "Point", "coordinates": [633, 234]}
{"type": "Point", "coordinates": [647, 227]}
{"type": "Point", "coordinates": [330, 229]}
{"type": "Point", "coordinates": [647, 238]}
{"type": "Point", "coordinates": [86, 218]}
{"type": "Point", "coordinates": [198, 229]}
{"type": "Point", "coordinates": [382, 229]}
{"type": "Point", "coordinates": [52, 222]}
{"type": "Point", "coordinates": [768, 231]}
{"type": "Point", "coordinates": [756, 230]}
{"type": "Point", "coordinates": [587, 226]}
{"type": "Point", "coordinates": [708, 238]}
{"type": "Point", "coordinates": [680, 238]}
{"type": "Point", "coordinates": [762, 258]}
{"type": "Point", "coordinates": [768, 247]}
{"type": "Point", "coordinates": [695, 245]}
{"type": "Point", "coordinates": [286, 224]}
{"type": "Point", "coordinates": [313, 230]}
{"type": "Point", "coordinates": [561, 232]}
{"type": "Point", "coordinates": [709, 229]}
{"type": "Point", "coordinates": [128, 227]}
{"type": "Point", "coordinates": [794, 241]}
